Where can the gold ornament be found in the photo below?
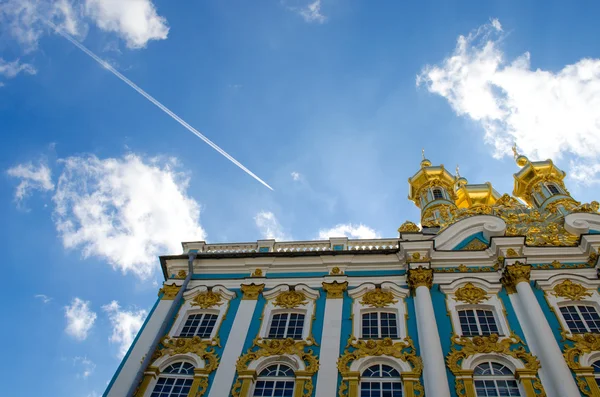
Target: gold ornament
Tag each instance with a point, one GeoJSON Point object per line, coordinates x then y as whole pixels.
{"type": "Point", "coordinates": [335, 270]}
{"type": "Point", "coordinates": [169, 292]}
{"type": "Point", "coordinates": [403, 350]}
{"type": "Point", "coordinates": [257, 273]}
{"type": "Point", "coordinates": [181, 275]}
{"type": "Point", "coordinates": [581, 345]}
{"type": "Point", "coordinates": [290, 299]}
{"type": "Point", "coordinates": [420, 277]}
{"type": "Point", "coordinates": [511, 253]}
{"type": "Point", "coordinates": [251, 291]}
{"type": "Point", "coordinates": [207, 299]}
{"type": "Point", "coordinates": [335, 290]}
{"type": "Point", "coordinates": [514, 274]}
{"type": "Point", "coordinates": [475, 245]}
{"type": "Point", "coordinates": [471, 294]}
{"type": "Point", "coordinates": [378, 298]}
{"type": "Point", "coordinates": [409, 227]}
{"type": "Point", "coordinates": [570, 290]}
{"type": "Point", "coordinates": [195, 345]}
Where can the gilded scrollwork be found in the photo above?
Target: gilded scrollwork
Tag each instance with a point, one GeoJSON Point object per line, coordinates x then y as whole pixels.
{"type": "Point", "coordinates": [515, 274]}
{"type": "Point", "coordinates": [474, 245]}
{"type": "Point", "coordinates": [403, 350]}
{"type": "Point", "coordinates": [420, 276]}
{"type": "Point", "coordinates": [168, 292]}
{"type": "Point", "coordinates": [335, 290]}
{"type": "Point", "coordinates": [378, 298]}
{"type": "Point", "coordinates": [278, 347]}
{"type": "Point", "coordinates": [470, 293]}
{"type": "Point", "coordinates": [207, 300]}
{"type": "Point", "coordinates": [290, 299]}
{"type": "Point", "coordinates": [251, 291]}
{"type": "Point", "coordinates": [570, 290]}
{"type": "Point", "coordinates": [575, 347]}
{"type": "Point", "coordinates": [409, 227]}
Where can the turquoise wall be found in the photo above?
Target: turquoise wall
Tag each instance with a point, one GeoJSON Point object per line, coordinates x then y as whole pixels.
{"type": "Point", "coordinates": [444, 329]}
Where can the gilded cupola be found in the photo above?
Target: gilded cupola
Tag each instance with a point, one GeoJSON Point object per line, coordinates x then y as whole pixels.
{"type": "Point", "coordinates": [540, 183]}
{"type": "Point", "coordinates": [431, 188]}
{"type": "Point", "coordinates": [473, 195]}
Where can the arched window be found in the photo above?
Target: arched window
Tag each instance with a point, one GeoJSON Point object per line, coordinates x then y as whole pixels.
{"type": "Point", "coordinates": [286, 325]}
{"type": "Point", "coordinates": [552, 188]}
{"type": "Point", "coordinates": [477, 322]}
{"type": "Point", "coordinates": [581, 318]}
{"type": "Point", "coordinates": [198, 324]}
{"type": "Point", "coordinates": [378, 325]}
{"type": "Point", "coordinates": [596, 366]}
{"type": "Point", "coordinates": [437, 194]}
{"type": "Point", "coordinates": [275, 380]}
{"type": "Point", "coordinates": [493, 380]}
{"type": "Point", "coordinates": [175, 381]}
{"type": "Point", "coordinates": [380, 380]}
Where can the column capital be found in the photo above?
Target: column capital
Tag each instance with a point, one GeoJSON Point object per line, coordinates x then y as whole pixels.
{"type": "Point", "coordinates": [420, 276]}
{"type": "Point", "coordinates": [251, 291]}
{"type": "Point", "coordinates": [168, 292]}
{"type": "Point", "coordinates": [335, 290]}
{"type": "Point", "coordinates": [515, 274]}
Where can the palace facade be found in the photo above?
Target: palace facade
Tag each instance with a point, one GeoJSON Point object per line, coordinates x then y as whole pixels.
{"type": "Point", "coordinates": [494, 295]}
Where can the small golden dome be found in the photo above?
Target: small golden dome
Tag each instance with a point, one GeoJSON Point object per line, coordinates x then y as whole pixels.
{"type": "Point", "coordinates": [425, 163]}
{"type": "Point", "coordinates": [522, 161]}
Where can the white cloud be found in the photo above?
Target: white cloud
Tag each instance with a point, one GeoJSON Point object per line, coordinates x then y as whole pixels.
{"type": "Point", "coordinates": [269, 226]}
{"type": "Point", "coordinates": [349, 230]}
{"type": "Point", "coordinates": [547, 114]}
{"type": "Point", "coordinates": [80, 319]}
{"type": "Point", "coordinates": [32, 178]}
{"type": "Point", "coordinates": [44, 298]}
{"type": "Point", "coordinates": [136, 21]}
{"type": "Point", "coordinates": [86, 365]}
{"type": "Point", "coordinates": [296, 176]}
{"type": "Point", "coordinates": [310, 11]}
{"type": "Point", "coordinates": [126, 211]}
{"type": "Point", "coordinates": [125, 325]}
{"type": "Point", "coordinates": [11, 69]}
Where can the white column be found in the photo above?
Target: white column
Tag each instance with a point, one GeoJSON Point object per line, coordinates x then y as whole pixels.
{"type": "Point", "coordinates": [133, 360]}
{"type": "Point", "coordinates": [549, 352]}
{"type": "Point", "coordinates": [434, 367]}
{"type": "Point", "coordinates": [327, 377]}
{"type": "Point", "coordinates": [221, 385]}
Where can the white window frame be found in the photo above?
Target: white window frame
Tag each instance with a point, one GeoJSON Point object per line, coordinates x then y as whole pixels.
{"type": "Point", "coordinates": [556, 302]}
{"type": "Point", "coordinates": [282, 378]}
{"type": "Point", "coordinates": [487, 307]}
{"type": "Point", "coordinates": [187, 309]}
{"type": "Point", "coordinates": [308, 309]}
{"type": "Point", "coordinates": [287, 322]}
{"type": "Point", "coordinates": [492, 303]}
{"type": "Point", "coordinates": [495, 378]}
{"type": "Point", "coordinates": [512, 363]}
{"type": "Point", "coordinates": [399, 308]}
{"type": "Point", "coordinates": [379, 311]}
{"type": "Point", "coordinates": [390, 379]}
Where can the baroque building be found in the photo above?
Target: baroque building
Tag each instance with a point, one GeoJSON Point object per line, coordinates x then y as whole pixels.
{"type": "Point", "coordinates": [494, 295]}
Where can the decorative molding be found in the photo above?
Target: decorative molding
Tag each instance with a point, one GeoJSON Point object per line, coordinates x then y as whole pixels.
{"type": "Point", "coordinates": [168, 292]}
{"type": "Point", "coordinates": [515, 274]}
{"type": "Point", "coordinates": [207, 299]}
{"type": "Point", "coordinates": [557, 265]}
{"type": "Point", "coordinates": [416, 257]}
{"type": "Point", "coordinates": [251, 291]}
{"type": "Point", "coordinates": [335, 270]}
{"type": "Point", "coordinates": [409, 227]}
{"type": "Point", "coordinates": [576, 347]}
{"type": "Point", "coordinates": [290, 299]}
{"type": "Point", "coordinates": [511, 253]}
{"type": "Point", "coordinates": [474, 245]}
{"type": "Point", "coordinates": [403, 350]}
{"type": "Point", "coordinates": [257, 273]}
{"type": "Point", "coordinates": [420, 276]}
{"type": "Point", "coordinates": [570, 290]}
{"type": "Point", "coordinates": [467, 269]}
{"type": "Point", "coordinates": [471, 294]}
{"type": "Point", "coordinates": [335, 290]}
{"type": "Point", "coordinates": [182, 274]}
{"type": "Point", "coordinates": [378, 298]}
{"type": "Point", "coordinates": [195, 345]}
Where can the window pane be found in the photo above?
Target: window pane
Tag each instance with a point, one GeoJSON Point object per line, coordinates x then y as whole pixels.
{"type": "Point", "coordinates": [389, 325]}
{"type": "Point", "coordinates": [369, 326]}
{"type": "Point", "coordinates": [573, 319]}
{"type": "Point", "coordinates": [287, 325]}
{"type": "Point", "coordinates": [200, 324]}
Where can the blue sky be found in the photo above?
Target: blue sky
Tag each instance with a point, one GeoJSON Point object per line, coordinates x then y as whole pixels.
{"type": "Point", "coordinates": [330, 102]}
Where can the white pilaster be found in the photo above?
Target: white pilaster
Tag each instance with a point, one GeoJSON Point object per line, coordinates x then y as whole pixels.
{"type": "Point", "coordinates": [133, 361]}
{"type": "Point", "coordinates": [434, 368]}
{"type": "Point", "coordinates": [557, 373]}
{"type": "Point", "coordinates": [223, 380]}
{"type": "Point", "coordinates": [327, 377]}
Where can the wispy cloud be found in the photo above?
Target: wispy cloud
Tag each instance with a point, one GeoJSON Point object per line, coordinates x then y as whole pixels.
{"type": "Point", "coordinates": [80, 319]}
{"type": "Point", "coordinates": [125, 323]}
{"type": "Point", "coordinates": [44, 298]}
{"type": "Point", "coordinates": [85, 365]}
{"type": "Point", "coordinates": [548, 114]}
{"type": "Point", "coordinates": [309, 10]}
{"type": "Point", "coordinates": [126, 210]}
{"type": "Point", "coordinates": [349, 230]}
{"type": "Point", "coordinates": [296, 176]}
{"type": "Point", "coordinates": [11, 69]}
{"type": "Point", "coordinates": [33, 177]}
{"type": "Point", "coordinates": [269, 226]}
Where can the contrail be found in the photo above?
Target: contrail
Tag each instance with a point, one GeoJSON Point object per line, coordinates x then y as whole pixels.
{"type": "Point", "coordinates": [154, 101]}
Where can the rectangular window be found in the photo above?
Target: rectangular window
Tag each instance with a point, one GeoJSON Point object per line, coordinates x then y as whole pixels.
{"type": "Point", "coordinates": [477, 322]}
{"type": "Point", "coordinates": [581, 319]}
{"type": "Point", "coordinates": [378, 325]}
{"type": "Point", "coordinates": [286, 325]}
{"type": "Point", "coordinates": [199, 324]}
